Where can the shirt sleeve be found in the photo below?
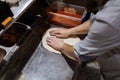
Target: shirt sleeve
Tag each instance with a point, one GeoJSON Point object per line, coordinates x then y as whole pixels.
{"type": "Point", "coordinates": [92, 16]}
{"type": "Point", "coordinates": [103, 35]}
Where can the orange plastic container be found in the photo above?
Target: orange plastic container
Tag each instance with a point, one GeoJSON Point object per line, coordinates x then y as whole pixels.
{"type": "Point", "coordinates": [66, 15]}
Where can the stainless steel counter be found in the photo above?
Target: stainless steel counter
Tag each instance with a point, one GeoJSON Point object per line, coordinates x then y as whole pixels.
{"type": "Point", "coordinates": [21, 8]}
{"type": "Point", "coordinates": [23, 5]}
{"type": "Point", "coordinates": [17, 11]}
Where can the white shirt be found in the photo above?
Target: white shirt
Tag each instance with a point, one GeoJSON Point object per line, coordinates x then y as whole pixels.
{"type": "Point", "coordinates": [103, 39]}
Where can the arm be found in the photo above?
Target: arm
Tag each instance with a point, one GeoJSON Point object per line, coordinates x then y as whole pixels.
{"type": "Point", "coordinates": [59, 45]}
{"type": "Point", "coordinates": [64, 33]}
{"type": "Point", "coordinates": [103, 34]}
{"type": "Point", "coordinates": [63, 47]}
{"type": "Point", "coordinates": [68, 51]}
{"type": "Point", "coordinates": [80, 29]}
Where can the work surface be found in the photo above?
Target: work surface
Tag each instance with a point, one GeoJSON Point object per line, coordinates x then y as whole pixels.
{"type": "Point", "coordinates": [45, 65]}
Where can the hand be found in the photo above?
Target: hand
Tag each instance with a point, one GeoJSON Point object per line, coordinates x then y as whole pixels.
{"type": "Point", "coordinates": [59, 32]}
{"type": "Point", "coordinates": [55, 43]}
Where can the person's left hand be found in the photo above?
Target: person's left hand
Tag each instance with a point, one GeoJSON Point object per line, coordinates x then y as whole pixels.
{"type": "Point", "coordinates": [55, 43]}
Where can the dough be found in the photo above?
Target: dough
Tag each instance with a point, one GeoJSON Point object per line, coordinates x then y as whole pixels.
{"type": "Point", "coordinates": [70, 41]}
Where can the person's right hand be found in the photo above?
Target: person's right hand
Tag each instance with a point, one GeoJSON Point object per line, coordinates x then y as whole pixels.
{"type": "Point", "coordinates": [59, 32]}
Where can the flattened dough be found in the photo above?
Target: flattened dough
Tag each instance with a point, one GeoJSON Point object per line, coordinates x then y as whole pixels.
{"type": "Point", "coordinates": [70, 41]}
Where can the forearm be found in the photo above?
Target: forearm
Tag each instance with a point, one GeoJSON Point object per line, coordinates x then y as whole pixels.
{"type": "Point", "coordinates": [80, 29]}
{"type": "Point", "coordinates": [68, 51]}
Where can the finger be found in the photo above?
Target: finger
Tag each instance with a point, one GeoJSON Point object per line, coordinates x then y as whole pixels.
{"type": "Point", "coordinates": [50, 39]}
{"type": "Point", "coordinates": [59, 35]}
{"type": "Point", "coordinates": [53, 30]}
{"type": "Point", "coordinates": [52, 33]}
{"type": "Point", "coordinates": [49, 42]}
{"type": "Point", "coordinates": [55, 34]}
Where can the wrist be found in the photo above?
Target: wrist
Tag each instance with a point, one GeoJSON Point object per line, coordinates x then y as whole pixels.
{"type": "Point", "coordinates": [61, 49]}
{"type": "Point", "coordinates": [69, 32]}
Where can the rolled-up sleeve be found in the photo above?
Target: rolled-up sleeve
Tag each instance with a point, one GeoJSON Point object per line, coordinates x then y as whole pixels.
{"type": "Point", "coordinates": [92, 16]}
{"type": "Point", "coordinates": [103, 35]}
